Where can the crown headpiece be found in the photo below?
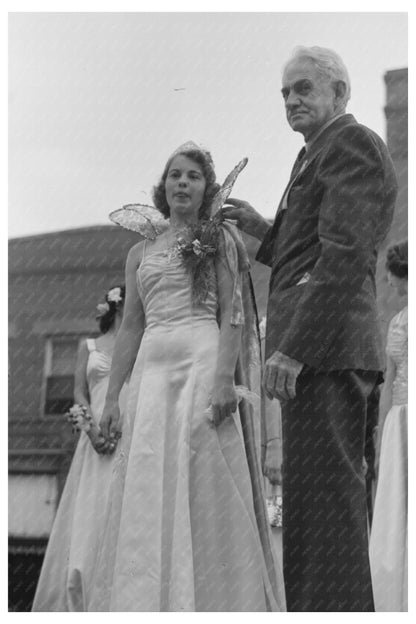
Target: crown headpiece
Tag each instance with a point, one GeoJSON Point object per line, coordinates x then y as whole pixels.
{"type": "Point", "coordinates": [191, 145]}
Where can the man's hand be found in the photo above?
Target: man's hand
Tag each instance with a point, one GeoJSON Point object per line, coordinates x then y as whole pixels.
{"type": "Point", "coordinates": [280, 374]}
{"type": "Point", "coordinates": [273, 462]}
{"type": "Point", "coordinates": [248, 219]}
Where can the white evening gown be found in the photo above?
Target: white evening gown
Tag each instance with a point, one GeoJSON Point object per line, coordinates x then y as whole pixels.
{"type": "Point", "coordinates": [181, 533]}
{"type": "Point", "coordinates": [65, 579]}
{"type": "Point", "coordinates": [388, 541]}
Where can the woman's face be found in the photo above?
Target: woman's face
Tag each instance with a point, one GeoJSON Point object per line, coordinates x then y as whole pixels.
{"type": "Point", "coordinates": [398, 283]}
{"type": "Point", "coordinates": [185, 185]}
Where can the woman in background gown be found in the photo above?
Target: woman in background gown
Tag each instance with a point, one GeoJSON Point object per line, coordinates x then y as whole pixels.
{"type": "Point", "coordinates": [388, 540]}
{"type": "Point", "coordinates": [66, 575]}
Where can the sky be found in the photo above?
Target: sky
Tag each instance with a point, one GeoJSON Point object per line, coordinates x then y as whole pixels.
{"type": "Point", "coordinates": [98, 102]}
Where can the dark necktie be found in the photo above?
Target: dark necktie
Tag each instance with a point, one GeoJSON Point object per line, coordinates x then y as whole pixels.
{"type": "Point", "coordinates": [298, 162]}
{"type": "Point", "coordinates": [295, 170]}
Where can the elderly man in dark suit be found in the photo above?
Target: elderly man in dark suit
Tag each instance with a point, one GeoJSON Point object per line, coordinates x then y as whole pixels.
{"type": "Point", "coordinates": [323, 343]}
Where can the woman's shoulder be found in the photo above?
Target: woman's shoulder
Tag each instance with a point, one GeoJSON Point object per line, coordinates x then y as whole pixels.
{"type": "Point", "coordinates": [138, 251]}
{"type": "Point", "coordinates": [137, 248]}
{"type": "Point", "coordinates": [404, 316]}
{"type": "Point", "coordinates": [85, 347]}
{"type": "Point", "coordinates": [398, 327]}
{"type": "Point", "coordinates": [88, 344]}
{"type": "Point", "coordinates": [400, 319]}
{"type": "Point", "coordinates": [135, 254]}
{"type": "Point", "coordinates": [104, 343]}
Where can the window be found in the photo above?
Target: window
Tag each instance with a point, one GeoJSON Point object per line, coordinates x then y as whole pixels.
{"type": "Point", "coordinates": [61, 354]}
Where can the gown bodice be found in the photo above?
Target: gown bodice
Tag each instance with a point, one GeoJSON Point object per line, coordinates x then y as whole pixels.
{"type": "Point", "coordinates": [397, 350]}
{"type": "Point", "coordinates": [98, 372]}
{"type": "Point", "coordinates": [99, 364]}
{"type": "Point", "coordinates": [165, 289]}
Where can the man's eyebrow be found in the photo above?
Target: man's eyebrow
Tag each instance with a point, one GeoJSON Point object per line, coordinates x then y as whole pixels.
{"type": "Point", "coordinates": [300, 82]}
{"type": "Point", "coordinates": [296, 86]}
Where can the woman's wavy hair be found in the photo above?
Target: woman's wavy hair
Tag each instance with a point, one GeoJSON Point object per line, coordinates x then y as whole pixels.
{"type": "Point", "coordinates": [396, 261]}
{"type": "Point", "coordinates": [106, 320]}
{"type": "Point", "coordinates": [204, 160]}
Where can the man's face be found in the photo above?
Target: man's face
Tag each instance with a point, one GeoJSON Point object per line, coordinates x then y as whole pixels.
{"type": "Point", "coordinates": [310, 99]}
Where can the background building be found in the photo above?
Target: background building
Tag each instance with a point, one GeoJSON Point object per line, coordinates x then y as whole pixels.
{"type": "Point", "coordinates": [396, 111]}
{"type": "Point", "coordinates": [56, 281]}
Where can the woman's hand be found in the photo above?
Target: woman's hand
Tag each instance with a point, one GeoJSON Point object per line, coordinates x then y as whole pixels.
{"type": "Point", "coordinates": [110, 425]}
{"type": "Point", "coordinates": [98, 441]}
{"type": "Point", "coordinates": [224, 402]}
{"type": "Point", "coordinates": [273, 462]}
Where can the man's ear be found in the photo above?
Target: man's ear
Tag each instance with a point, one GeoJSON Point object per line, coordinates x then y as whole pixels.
{"type": "Point", "coordinates": [340, 89]}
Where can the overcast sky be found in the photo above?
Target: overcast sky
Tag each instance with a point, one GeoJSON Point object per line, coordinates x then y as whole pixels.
{"type": "Point", "coordinates": [98, 101]}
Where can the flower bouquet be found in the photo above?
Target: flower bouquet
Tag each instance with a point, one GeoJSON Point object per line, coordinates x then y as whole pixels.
{"type": "Point", "coordinates": [274, 507]}
{"type": "Point", "coordinates": [79, 418]}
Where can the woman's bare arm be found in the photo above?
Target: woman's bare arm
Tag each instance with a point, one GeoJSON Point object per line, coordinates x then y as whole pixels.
{"type": "Point", "coordinates": [224, 398]}
{"type": "Point", "coordinates": [127, 344]}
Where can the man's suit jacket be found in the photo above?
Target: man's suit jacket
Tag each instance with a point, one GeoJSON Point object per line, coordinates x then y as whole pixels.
{"type": "Point", "coordinates": [322, 249]}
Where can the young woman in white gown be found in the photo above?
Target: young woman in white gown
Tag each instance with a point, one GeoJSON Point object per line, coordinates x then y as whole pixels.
{"type": "Point", "coordinates": [65, 579]}
{"type": "Point", "coordinates": [187, 525]}
{"type": "Point", "coordinates": [388, 540]}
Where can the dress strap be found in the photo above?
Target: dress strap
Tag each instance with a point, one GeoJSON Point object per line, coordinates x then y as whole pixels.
{"type": "Point", "coordinates": [91, 345]}
{"type": "Point", "coordinates": [144, 249]}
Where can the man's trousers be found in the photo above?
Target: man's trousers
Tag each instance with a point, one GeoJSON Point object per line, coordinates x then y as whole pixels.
{"type": "Point", "coordinates": [325, 527]}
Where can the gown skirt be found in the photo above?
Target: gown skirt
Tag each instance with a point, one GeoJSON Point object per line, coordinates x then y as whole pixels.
{"type": "Point", "coordinates": [69, 563]}
{"type": "Point", "coordinates": [181, 531]}
{"type": "Point", "coordinates": [388, 541]}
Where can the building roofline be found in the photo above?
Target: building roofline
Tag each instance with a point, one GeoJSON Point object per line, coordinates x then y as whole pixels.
{"type": "Point", "coordinates": [68, 232]}
{"type": "Point", "coordinates": [390, 73]}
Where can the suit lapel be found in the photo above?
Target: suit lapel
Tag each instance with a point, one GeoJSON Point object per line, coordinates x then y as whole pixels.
{"type": "Point", "coordinates": [297, 168]}
{"type": "Point", "coordinates": [305, 159]}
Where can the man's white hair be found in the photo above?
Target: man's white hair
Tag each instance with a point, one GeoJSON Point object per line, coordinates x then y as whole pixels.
{"type": "Point", "coordinates": [328, 64]}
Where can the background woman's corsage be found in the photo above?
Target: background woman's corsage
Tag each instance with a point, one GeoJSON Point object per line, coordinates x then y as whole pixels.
{"type": "Point", "coordinates": [114, 295]}
{"type": "Point", "coordinates": [79, 418]}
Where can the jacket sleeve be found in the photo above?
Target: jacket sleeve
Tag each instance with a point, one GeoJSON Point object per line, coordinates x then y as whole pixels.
{"type": "Point", "coordinates": [352, 175]}
{"type": "Point", "coordinates": [265, 251]}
